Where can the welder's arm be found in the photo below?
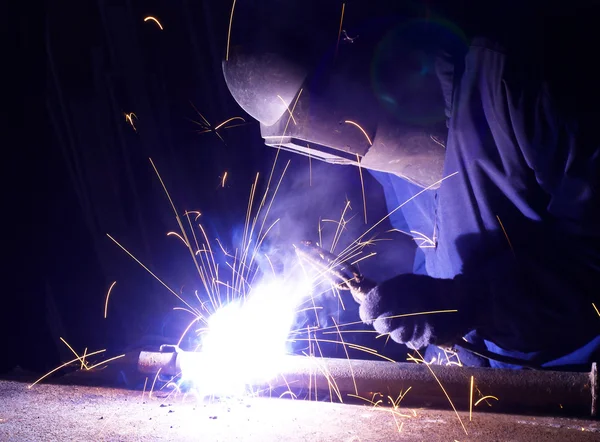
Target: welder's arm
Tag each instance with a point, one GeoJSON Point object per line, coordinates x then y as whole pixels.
{"type": "Point", "coordinates": [402, 306]}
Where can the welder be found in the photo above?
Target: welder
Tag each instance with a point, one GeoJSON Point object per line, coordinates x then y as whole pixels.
{"type": "Point", "coordinates": [498, 134]}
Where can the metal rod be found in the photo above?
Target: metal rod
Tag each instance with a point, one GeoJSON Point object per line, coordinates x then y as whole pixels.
{"type": "Point", "coordinates": [518, 391]}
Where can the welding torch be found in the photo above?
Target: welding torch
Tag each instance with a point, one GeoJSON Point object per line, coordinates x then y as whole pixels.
{"type": "Point", "coordinates": [344, 275]}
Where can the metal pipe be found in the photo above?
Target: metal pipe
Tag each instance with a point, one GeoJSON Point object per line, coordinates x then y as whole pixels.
{"type": "Point", "coordinates": [518, 391]}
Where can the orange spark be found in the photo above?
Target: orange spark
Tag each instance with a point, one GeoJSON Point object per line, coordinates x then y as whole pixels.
{"type": "Point", "coordinates": [107, 296]}
{"type": "Point", "coordinates": [471, 401]}
{"type": "Point", "coordinates": [64, 365]}
{"type": "Point", "coordinates": [223, 180]}
{"type": "Point", "coordinates": [151, 273]}
{"type": "Point", "coordinates": [128, 117]}
{"type": "Point", "coordinates": [82, 360]}
{"type": "Point", "coordinates": [154, 382]}
{"type": "Point", "coordinates": [309, 167]}
{"type": "Point", "coordinates": [144, 390]}
{"type": "Point", "coordinates": [347, 355]}
{"type": "Point", "coordinates": [362, 185]}
{"type": "Point", "coordinates": [596, 308]}
{"type": "Point", "coordinates": [106, 361]}
{"type": "Point", "coordinates": [506, 235]}
{"type": "Point", "coordinates": [154, 20]}
{"type": "Point", "coordinates": [403, 204]}
{"type": "Point", "coordinates": [220, 125]}
{"type": "Point", "coordinates": [288, 109]}
{"type": "Point", "coordinates": [181, 228]}
{"type": "Point", "coordinates": [340, 29]}
{"type": "Point", "coordinates": [178, 236]}
{"type": "Point", "coordinates": [420, 313]}
{"type": "Point", "coordinates": [484, 398]}
{"type": "Point", "coordinates": [186, 330]}
{"type": "Point", "coordinates": [446, 393]}
{"type": "Point", "coordinates": [229, 31]}
{"type": "Point", "coordinates": [361, 129]}
{"type": "Point", "coordinates": [363, 258]}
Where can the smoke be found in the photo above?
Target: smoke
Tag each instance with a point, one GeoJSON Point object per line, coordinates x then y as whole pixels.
{"type": "Point", "coordinates": [309, 206]}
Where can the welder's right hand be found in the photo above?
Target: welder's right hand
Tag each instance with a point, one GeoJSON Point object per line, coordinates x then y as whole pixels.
{"type": "Point", "coordinates": [399, 307]}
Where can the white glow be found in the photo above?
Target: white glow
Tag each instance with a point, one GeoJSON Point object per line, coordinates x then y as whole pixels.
{"type": "Point", "coordinates": [246, 339]}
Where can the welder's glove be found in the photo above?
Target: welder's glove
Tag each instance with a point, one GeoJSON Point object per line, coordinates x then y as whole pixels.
{"type": "Point", "coordinates": [412, 294]}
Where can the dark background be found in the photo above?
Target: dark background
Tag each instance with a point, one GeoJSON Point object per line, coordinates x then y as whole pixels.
{"type": "Point", "coordinates": [76, 170]}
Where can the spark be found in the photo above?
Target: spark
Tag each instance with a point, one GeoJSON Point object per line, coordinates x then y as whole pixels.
{"type": "Point", "coordinates": [349, 331]}
{"type": "Point", "coordinates": [471, 401]}
{"type": "Point", "coordinates": [223, 249]}
{"type": "Point", "coordinates": [220, 125]}
{"type": "Point", "coordinates": [207, 127]}
{"type": "Point", "coordinates": [196, 319]}
{"type": "Point", "coordinates": [195, 212]}
{"type": "Point", "coordinates": [347, 355]}
{"type": "Point", "coordinates": [309, 167]}
{"type": "Point", "coordinates": [178, 236]}
{"type": "Point", "coordinates": [224, 179]}
{"type": "Point", "coordinates": [484, 398]}
{"type": "Point", "coordinates": [288, 109]}
{"type": "Point", "coordinates": [185, 309]}
{"type": "Point", "coordinates": [154, 20]}
{"type": "Point", "coordinates": [506, 235]}
{"type": "Point", "coordinates": [177, 219]}
{"type": "Point", "coordinates": [150, 271]}
{"type": "Point", "coordinates": [596, 308]}
{"type": "Point", "coordinates": [403, 204]}
{"type": "Point", "coordinates": [106, 361]}
{"type": "Point", "coordinates": [395, 316]}
{"type": "Point", "coordinates": [396, 403]}
{"type": "Point", "coordinates": [436, 141]}
{"type": "Point", "coordinates": [458, 362]}
{"type": "Point", "coordinates": [154, 382]}
{"type": "Point", "coordinates": [348, 38]}
{"type": "Point", "coordinates": [424, 238]}
{"type": "Point", "coordinates": [83, 364]}
{"type": "Point", "coordinates": [446, 393]}
{"type": "Point", "coordinates": [107, 296]}
{"type": "Point", "coordinates": [420, 313]}
{"type": "Point", "coordinates": [63, 366]}
{"type": "Point", "coordinates": [362, 185]}
{"type": "Point", "coordinates": [372, 402]}
{"type": "Point", "coordinates": [270, 263]}
{"type": "Point", "coordinates": [82, 360]}
{"type": "Point", "coordinates": [363, 258]}
{"type": "Point", "coordinates": [320, 231]}
{"type": "Point", "coordinates": [311, 308]}
{"type": "Point", "coordinates": [361, 129]}
{"type": "Point", "coordinates": [328, 376]}
{"type": "Point", "coordinates": [337, 232]}
{"type": "Point", "coordinates": [229, 31]}
{"type": "Point", "coordinates": [128, 117]}
{"type": "Point", "coordinates": [340, 29]}
{"type": "Point", "coordinates": [144, 390]}
{"type": "Point", "coordinates": [353, 346]}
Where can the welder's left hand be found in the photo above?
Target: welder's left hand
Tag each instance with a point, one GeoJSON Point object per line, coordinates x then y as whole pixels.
{"type": "Point", "coordinates": [396, 307]}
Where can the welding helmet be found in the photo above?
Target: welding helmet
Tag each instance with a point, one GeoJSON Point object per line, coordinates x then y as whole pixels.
{"type": "Point", "coordinates": [362, 91]}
